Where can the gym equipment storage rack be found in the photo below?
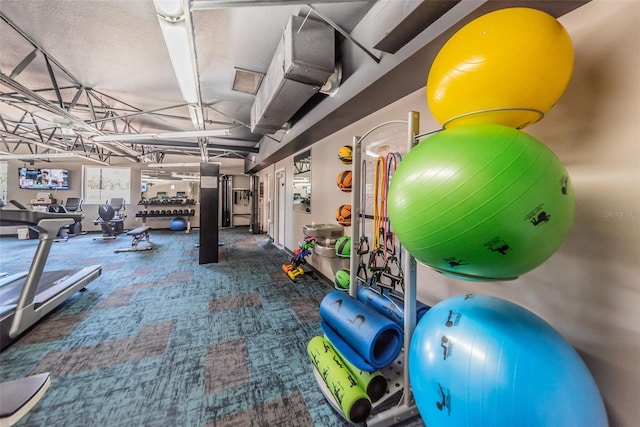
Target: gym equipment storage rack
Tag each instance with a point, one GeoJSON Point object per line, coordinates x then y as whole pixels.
{"type": "Point", "coordinates": [385, 412]}
{"type": "Point", "coordinates": [169, 210]}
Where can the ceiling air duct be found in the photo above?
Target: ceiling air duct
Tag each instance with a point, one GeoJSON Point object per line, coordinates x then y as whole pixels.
{"type": "Point", "coordinates": [302, 63]}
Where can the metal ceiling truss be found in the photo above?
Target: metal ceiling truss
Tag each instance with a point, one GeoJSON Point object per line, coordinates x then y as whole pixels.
{"type": "Point", "coordinates": [77, 113]}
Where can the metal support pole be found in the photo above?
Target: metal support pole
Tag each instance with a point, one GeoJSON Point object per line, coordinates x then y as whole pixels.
{"type": "Point", "coordinates": [410, 276]}
{"type": "Point", "coordinates": [356, 214]}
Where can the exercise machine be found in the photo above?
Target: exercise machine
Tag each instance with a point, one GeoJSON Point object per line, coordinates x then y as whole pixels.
{"type": "Point", "coordinates": [19, 396]}
{"type": "Point", "coordinates": [74, 204]}
{"type": "Point", "coordinates": [110, 219]}
{"type": "Point", "coordinates": [27, 297]}
{"type": "Point", "coordinates": [139, 234]}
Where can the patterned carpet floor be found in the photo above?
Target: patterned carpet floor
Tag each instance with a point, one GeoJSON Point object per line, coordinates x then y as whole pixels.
{"type": "Point", "coordinates": [158, 340]}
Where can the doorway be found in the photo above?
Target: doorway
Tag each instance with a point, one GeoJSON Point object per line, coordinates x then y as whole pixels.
{"type": "Point", "coordinates": [269, 208]}
{"type": "Point", "coordinates": [279, 213]}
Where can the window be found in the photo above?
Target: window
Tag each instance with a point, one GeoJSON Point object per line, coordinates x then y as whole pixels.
{"type": "Point", "coordinates": [104, 184]}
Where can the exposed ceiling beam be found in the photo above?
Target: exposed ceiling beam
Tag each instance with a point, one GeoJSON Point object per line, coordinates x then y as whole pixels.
{"type": "Point", "coordinates": [49, 156]}
{"type": "Point", "coordinates": [53, 108]}
{"type": "Point", "coordinates": [35, 45]}
{"type": "Point", "coordinates": [9, 137]}
{"type": "Point", "coordinates": [161, 136]}
{"type": "Point", "coordinates": [193, 145]}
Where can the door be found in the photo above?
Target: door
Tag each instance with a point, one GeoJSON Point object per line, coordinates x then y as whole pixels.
{"type": "Point", "coordinates": [269, 209]}
{"type": "Point", "coordinates": [280, 213]}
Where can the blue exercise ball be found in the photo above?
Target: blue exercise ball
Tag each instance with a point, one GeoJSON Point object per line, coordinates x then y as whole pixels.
{"type": "Point", "coordinates": [477, 360]}
{"type": "Point", "coordinates": [177, 224]}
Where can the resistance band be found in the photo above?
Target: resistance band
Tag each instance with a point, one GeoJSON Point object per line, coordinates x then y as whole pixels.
{"type": "Point", "coordinates": [383, 261]}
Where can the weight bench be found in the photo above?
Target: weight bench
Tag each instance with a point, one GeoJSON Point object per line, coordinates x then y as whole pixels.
{"type": "Point", "coordinates": [140, 233]}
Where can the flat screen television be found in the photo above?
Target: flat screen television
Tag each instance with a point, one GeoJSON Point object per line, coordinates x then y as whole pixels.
{"type": "Point", "coordinates": [39, 179]}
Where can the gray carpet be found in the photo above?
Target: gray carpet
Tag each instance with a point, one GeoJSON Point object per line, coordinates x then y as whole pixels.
{"type": "Point", "coordinates": [158, 340]}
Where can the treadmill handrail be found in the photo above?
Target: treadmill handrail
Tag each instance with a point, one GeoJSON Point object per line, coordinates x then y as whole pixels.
{"type": "Point", "coordinates": [33, 218]}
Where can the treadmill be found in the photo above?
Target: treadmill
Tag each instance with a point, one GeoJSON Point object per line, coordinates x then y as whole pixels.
{"type": "Point", "coordinates": [25, 298]}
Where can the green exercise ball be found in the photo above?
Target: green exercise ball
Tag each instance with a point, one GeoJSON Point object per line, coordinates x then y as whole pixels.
{"type": "Point", "coordinates": [481, 202]}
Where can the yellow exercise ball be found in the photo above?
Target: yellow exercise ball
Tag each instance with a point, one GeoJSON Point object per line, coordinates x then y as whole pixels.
{"type": "Point", "coordinates": [507, 67]}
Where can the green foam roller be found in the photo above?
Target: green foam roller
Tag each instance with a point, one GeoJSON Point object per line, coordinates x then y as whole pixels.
{"type": "Point", "coordinates": [373, 383]}
{"type": "Point", "coordinates": [352, 400]}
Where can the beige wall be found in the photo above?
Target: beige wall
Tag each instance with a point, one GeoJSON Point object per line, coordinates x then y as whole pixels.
{"type": "Point", "coordinates": [229, 167]}
{"type": "Point", "coordinates": [589, 290]}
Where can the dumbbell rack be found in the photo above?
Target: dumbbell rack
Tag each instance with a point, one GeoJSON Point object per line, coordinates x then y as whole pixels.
{"type": "Point", "coordinates": [167, 210]}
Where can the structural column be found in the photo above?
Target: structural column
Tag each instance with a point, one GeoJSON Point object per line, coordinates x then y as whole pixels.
{"type": "Point", "coordinates": [209, 175]}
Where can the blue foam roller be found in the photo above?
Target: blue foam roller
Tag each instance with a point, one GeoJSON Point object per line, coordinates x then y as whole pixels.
{"type": "Point", "coordinates": [388, 305]}
{"type": "Point", "coordinates": [366, 338]}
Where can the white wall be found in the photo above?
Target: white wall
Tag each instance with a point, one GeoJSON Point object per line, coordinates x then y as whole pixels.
{"type": "Point", "coordinates": [589, 290]}
{"type": "Point", "coordinates": [228, 167]}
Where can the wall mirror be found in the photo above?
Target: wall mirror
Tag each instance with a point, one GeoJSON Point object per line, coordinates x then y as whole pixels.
{"type": "Point", "coordinates": [161, 184]}
{"type": "Point", "coordinates": [302, 182]}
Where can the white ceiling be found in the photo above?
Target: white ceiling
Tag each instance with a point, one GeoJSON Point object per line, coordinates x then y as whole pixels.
{"type": "Point", "coordinates": [112, 52]}
{"type": "Point", "coordinates": [116, 48]}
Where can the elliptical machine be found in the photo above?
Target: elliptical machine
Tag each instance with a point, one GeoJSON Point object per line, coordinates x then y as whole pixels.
{"type": "Point", "coordinates": [110, 219]}
{"type": "Point", "coordinates": [73, 205]}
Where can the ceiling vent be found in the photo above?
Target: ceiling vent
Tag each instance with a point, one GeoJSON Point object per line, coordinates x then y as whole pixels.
{"type": "Point", "coordinates": [247, 81]}
{"type": "Point", "coordinates": [302, 63]}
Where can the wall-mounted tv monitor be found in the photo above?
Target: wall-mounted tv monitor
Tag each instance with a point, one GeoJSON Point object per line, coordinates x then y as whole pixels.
{"type": "Point", "coordinates": [38, 179]}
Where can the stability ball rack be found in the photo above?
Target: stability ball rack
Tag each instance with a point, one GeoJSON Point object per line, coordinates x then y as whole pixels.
{"type": "Point", "coordinates": [406, 408]}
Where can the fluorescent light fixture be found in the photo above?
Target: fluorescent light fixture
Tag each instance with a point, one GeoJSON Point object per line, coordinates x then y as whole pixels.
{"type": "Point", "coordinates": [166, 135]}
{"type": "Point", "coordinates": [177, 37]}
{"type": "Point", "coordinates": [169, 7]}
{"type": "Point", "coordinates": [123, 137]}
{"type": "Point", "coordinates": [195, 133]}
{"type": "Point", "coordinates": [45, 156]}
{"type": "Point", "coordinates": [195, 112]}
{"type": "Point", "coordinates": [185, 177]}
{"type": "Point", "coordinates": [172, 165]}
